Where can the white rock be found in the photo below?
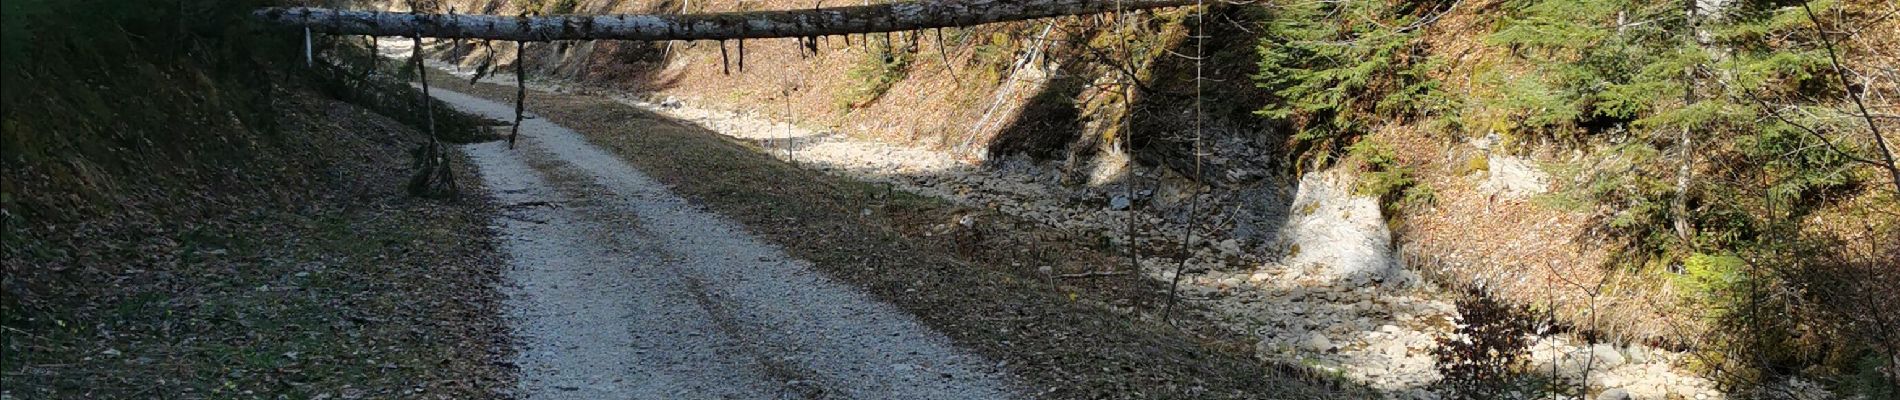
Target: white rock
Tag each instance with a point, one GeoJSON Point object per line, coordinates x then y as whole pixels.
{"type": "Point", "coordinates": [1513, 177]}
{"type": "Point", "coordinates": [1614, 394]}
{"type": "Point", "coordinates": [1638, 354]}
{"type": "Point", "coordinates": [1607, 356]}
{"type": "Point", "coordinates": [1229, 247]}
{"type": "Point", "coordinates": [1394, 349]}
{"type": "Point", "coordinates": [1339, 233]}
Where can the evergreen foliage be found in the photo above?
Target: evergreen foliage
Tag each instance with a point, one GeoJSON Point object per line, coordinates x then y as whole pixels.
{"type": "Point", "coordinates": [1641, 74]}
{"type": "Point", "coordinates": [1385, 178]}
{"type": "Point", "coordinates": [1637, 73]}
{"type": "Point", "coordinates": [1333, 68]}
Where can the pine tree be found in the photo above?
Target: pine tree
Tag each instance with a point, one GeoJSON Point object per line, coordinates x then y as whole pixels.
{"type": "Point", "coordinates": [1333, 67]}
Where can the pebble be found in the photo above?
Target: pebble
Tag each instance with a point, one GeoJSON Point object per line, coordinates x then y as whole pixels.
{"type": "Point", "coordinates": [1607, 356]}
{"type": "Point", "coordinates": [1318, 342]}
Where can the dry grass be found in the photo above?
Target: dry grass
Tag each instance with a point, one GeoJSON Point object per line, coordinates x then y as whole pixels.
{"type": "Point", "coordinates": [1070, 338]}
{"type": "Point", "coordinates": [1524, 250]}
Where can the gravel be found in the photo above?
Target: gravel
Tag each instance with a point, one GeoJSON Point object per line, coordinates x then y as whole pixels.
{"type": "Point", "coordinates": [619, 288]}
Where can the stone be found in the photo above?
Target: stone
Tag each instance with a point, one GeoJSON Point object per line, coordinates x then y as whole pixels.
{"type": "Point", "coordinates": [1119, 203]}
{"type": "Point", "coordinates": [1570, 367]}
{"type": "Point", "coordinates": [1513, 178]}
{"type": "Point", "coordinates": [1638, 354]}
{"type": "Point", "coordinates": [1229, 246]}
{"type": "Point", "coordinates": [1614, 394]}
{"type": "Point", "coordinates": [1394, 349]}
{"type": "Point", "coordinates": [1318, 342]}
{"type": "Point", "coordinates": [1607, 356]}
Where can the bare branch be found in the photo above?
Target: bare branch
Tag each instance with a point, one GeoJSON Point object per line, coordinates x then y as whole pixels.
{"type": "Point", "coordinates": [891, 17]}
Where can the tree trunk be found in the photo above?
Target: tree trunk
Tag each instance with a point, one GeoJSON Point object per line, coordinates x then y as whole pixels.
{"type": "Point", "coordinates": [892, 17]}
{"type": "Point", "coordinates": [1685, 142]}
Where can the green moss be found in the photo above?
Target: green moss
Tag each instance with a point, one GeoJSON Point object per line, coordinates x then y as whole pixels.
{"type": "Point", "coordinates": [1475, 164]}
{"type": "Point", "coordinates": [1383, 177]}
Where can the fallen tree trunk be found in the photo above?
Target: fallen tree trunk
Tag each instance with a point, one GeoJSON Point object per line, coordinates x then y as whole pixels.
{"type": "Point", "coordinates": [892, 17]}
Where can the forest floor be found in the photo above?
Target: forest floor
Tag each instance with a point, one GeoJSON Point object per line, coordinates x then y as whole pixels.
{"type": "Point", "coordinates": [325, 282]}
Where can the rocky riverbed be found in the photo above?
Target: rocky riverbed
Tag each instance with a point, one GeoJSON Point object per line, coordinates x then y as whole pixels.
{"type": "Point", "coordinates": [1324, 289]}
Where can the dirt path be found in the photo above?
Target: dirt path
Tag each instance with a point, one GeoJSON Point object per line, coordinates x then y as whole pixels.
{"type": "Point", "coordinates": [621, 289]}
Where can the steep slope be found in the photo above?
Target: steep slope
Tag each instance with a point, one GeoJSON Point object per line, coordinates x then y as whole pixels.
{"type": "Point", "coordinates": [188, 212]}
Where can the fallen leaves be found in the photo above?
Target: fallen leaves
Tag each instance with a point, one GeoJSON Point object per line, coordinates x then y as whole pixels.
{"type": "Point", "coordinates": [315, 278]}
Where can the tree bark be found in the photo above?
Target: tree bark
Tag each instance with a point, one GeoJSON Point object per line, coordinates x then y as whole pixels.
{"type": "Point", "coordinates": [891, 17]}
{"type": "Point", "coordinates": [1685, 141]}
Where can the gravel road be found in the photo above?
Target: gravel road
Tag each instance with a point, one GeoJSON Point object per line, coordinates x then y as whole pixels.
{"type": "Point", "coordinates": [620, 289]}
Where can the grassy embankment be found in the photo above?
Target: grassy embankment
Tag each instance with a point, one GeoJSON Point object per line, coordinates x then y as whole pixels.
{"type": "Point", "coordinates": [187, 212]}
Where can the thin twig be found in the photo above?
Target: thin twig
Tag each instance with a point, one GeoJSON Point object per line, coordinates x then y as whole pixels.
{"type": "Point", "coordinates": [1841, 73]}
{"type": "Point", "coordinates": [1092, 274]}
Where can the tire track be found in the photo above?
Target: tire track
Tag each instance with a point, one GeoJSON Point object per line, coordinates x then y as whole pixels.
{"type": "Point", "coordinates": [627, 291]}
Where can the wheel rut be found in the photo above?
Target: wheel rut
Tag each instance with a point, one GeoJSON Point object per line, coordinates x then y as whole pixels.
{"type": "Point", "coordinates": [620, 289]}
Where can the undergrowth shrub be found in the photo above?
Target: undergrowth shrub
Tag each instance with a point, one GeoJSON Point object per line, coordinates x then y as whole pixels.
{"type": "Point", "coordinates": [992, 53]}
{"type": "Point", "coordinates": [1383, 177]}
{"type": "Point", "coordinates": [1584, 72]}
{"type": "Point", "coordinates": [1841, 315]}
{"type": "Point", "coordinates": [1484, 357]}
{"type": "Point", "coordinates": [883, 66]}
{"type": "Point", "coordinates": [1744, 99]}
